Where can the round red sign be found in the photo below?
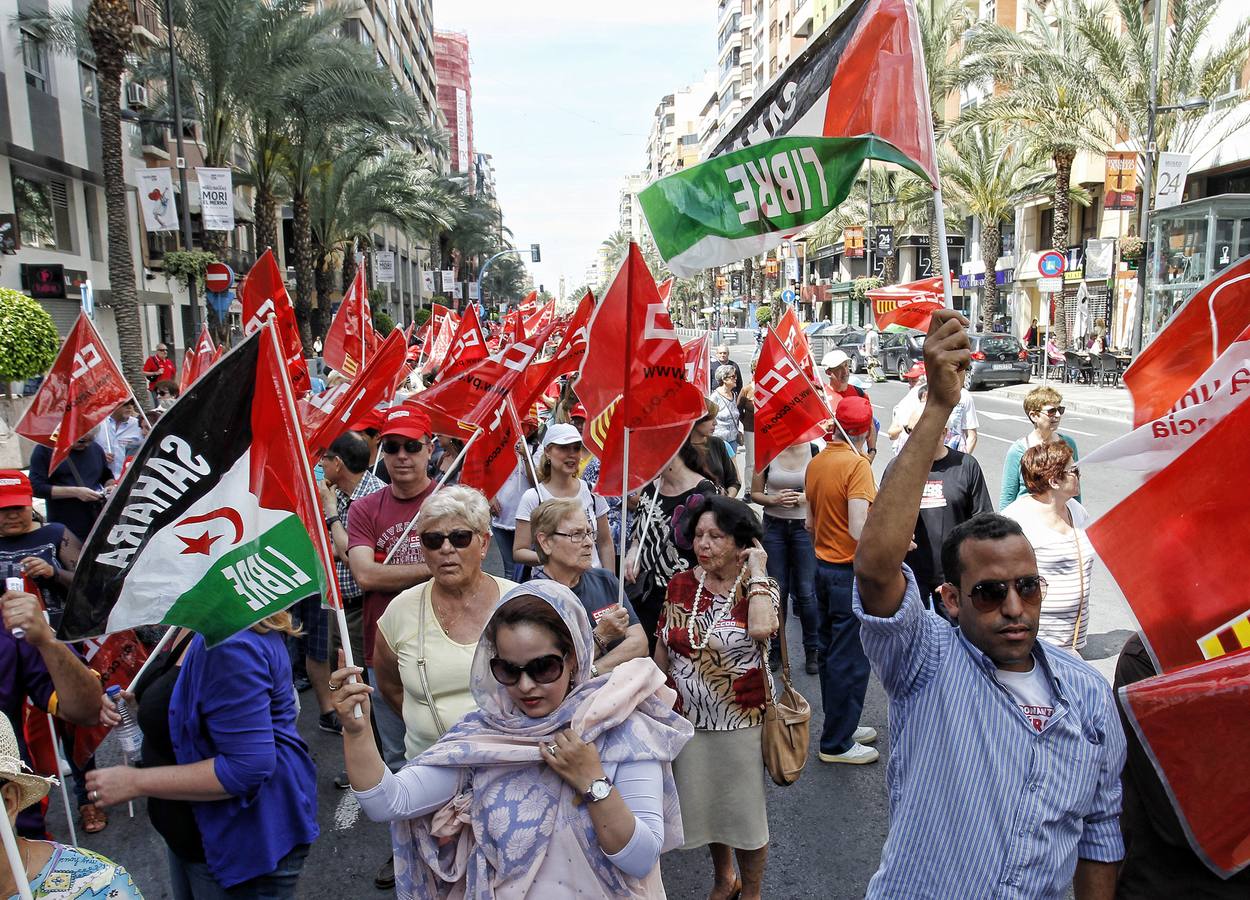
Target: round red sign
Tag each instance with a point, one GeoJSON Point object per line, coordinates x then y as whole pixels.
{"type": "Point", "coordinates": [218, 277]}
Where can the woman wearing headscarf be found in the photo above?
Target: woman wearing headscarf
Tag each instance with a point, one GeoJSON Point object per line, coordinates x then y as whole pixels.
{"type": "Point", "coordinates": [712, 631]}
{"type": "Point", "coordinates": [558, 784]}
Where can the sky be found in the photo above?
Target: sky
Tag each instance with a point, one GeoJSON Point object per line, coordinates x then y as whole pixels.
{"type": "Point", "coordinates": [564, 92]}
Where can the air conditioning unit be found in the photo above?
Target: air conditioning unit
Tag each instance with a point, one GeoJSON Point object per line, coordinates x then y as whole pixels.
{"type": "Point", "coordinates": [137, 95]}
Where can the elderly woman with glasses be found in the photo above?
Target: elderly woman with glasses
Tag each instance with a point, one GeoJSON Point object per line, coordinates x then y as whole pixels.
{"type": "Point", "coordinates": [564, 541]}
{"type": "Point", "coordinates": [559, 784]}
{"type": "Point", "coordinates": [1044, 407]}
{"type": "Point", "coordinates": [427, 636]}
{"type": "Point", "coordinates": [1054, 522]}
{"type": "Point", "coordinates": [728, 418]}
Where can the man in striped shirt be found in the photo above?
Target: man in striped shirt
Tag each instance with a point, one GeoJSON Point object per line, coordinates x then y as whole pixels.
{"type": "Point", "coordinates": [1005, 776]}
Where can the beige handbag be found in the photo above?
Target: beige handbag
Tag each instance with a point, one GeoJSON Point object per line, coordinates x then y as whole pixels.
{"type": "Point", "coordinates": [786, 723]}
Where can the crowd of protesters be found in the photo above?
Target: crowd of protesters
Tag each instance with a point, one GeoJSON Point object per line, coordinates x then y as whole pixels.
{"type": "Point", "coordinates": [553, 727]}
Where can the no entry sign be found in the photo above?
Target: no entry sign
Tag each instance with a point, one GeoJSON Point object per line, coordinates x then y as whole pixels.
{"type": "Point", "coordinates": [218, 277]}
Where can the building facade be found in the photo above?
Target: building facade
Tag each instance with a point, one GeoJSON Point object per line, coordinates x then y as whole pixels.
{"type": "Point", "coordinates": [455, 96]}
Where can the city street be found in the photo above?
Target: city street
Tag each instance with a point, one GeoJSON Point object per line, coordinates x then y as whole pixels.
{"type": "Point", "coordinates": [827, 830]}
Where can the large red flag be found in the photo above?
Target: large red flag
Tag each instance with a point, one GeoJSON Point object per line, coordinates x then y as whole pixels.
{"type": "Point", "coordinates": [264, 297]}
{"type": "Point", "coordinates": [545, 315]}
{"type": "Point", "coordinates": [789, 408]}
{"type": "Point", "coordinates": [1172, 545]}
{"type": "Point", "coordinates": [529, 305]}
{"type": "Point", "coordinates": [1192, 340]}
{"type": "Point", "coordinates": [910, 305]}
{"type": "Point", "coordinates": [493, 458]}
{"type": "Point", "coordinates": [327, 416]}
{"type": "Point", "coordinates": [198, 360]}
{"type": "Point", "coordinates": [351, 338]}
{"type": "Point", "coordinates": [82, 388]}
{"type": "Point", "coordinates": [790, 331]}
{"type": "Point", "coordinates": [567, 358]}
{"type": "Point", "coordinates": [633, 378]}
{"type": "Point", "coordinates": [467, 345]}
{"type": "Point", "coordinates": [1206, 784]}
{"type": "Point", "coordinates": [665, 289]}
{"type": "Point", "coordinates": [427, 331]}
{"type": "Point", "coordinates": [438, 348]}
{"type": "Point", "coordinates": [699, 359]}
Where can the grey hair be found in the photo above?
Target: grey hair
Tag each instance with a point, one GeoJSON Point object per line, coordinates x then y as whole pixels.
{"type": "Point", "coordinates": [723, 372]}
{"type": "Point", "coordinates": [460, 502]}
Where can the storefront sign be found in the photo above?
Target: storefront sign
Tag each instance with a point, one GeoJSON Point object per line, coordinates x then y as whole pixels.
{"type": "Point", "coordinates": [45, 282]}
{"type": "Point", "coordinates": [1002, 276]}
{"type": "Point", "coordinates": [1120, 180]}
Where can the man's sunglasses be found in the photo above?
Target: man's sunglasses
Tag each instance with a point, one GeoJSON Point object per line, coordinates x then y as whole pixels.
{"type": "Point", "coordinates": [543, 670]}
{"type": "Point", "coordinates": [989, 595]}
{"type": "Point", "coordinates": [460, 538]}
{"type": "Point", "coordinates": [390, 448]}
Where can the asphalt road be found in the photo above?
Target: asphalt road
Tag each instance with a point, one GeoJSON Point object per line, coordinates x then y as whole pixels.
{"type": "Point", "coordinates": [827, 830]}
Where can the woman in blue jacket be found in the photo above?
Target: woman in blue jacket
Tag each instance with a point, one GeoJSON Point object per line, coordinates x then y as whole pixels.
{"type": "Point", "coordinates": [220, 738]}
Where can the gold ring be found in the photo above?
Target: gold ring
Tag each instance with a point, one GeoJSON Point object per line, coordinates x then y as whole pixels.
{"type": "Point", "coordinates": [333, 686]}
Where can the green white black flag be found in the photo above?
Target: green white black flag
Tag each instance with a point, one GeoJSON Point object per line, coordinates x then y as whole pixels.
{"type": "Point", "coordinates": [215, 524]}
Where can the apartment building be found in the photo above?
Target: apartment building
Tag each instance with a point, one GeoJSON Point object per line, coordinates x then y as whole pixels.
{"type": "Point", "coordinates": [781, 30]}
{"type": "Point", "coordinates": [735, 61]}
{"type": "Point", "coordinates": [632, 221]}
{"type": "Point", "coordinates": [455, 96]}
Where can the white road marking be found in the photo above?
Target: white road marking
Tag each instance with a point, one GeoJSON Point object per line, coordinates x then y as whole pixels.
{"type": "Point", "coordinates": [347, 813]}
{"type": "Point", "coordinates": [1000, 416]}
{"type": "Point", "coordinates": [994, 437]}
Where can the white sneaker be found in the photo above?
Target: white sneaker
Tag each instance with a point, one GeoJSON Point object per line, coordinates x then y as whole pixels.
{"type": "Point", "coordinates": [858, 755]}
{"type": "Point", "coordinates": [864, 734]}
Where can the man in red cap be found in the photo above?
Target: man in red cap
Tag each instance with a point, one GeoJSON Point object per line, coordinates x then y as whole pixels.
{"type": "Point", "coordinates": [382, 564]}
{"type": "Point", "coordinates": [840, 489]}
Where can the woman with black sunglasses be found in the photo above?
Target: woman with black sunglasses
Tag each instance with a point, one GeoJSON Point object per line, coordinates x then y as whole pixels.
{"type": "Point", "coordinates": [559, 783]}
{"type": "Point", "coordinates": [428, 634]}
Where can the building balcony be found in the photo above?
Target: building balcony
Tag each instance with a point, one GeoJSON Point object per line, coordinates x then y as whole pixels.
{"type": "Point", "coordinates": [149, 21]}
{"type": "Point", "coordinates": [803, 19]}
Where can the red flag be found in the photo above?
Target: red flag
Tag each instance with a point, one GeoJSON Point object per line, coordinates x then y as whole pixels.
{"type": "Point", "coordinates": [1192, 340]}
{"type": "Point", "coordinates": [327, 416]}
{"type": "Point", "coordinates": [665, 288]}
{"type": "Point", "coordinates": [1203, 778]}
{"type": "Point", "coordinates": [910, 305]}
{"type": "Point", "coordinates": [699, 360]}
{"type": "Point", "coordinates": [567, 358]}
{"type": "Point", "coordinates": [264, 297]}
{"type": "Point", "coordinates": [529, 305]}
{"type": "Point", "coordinates": [542, 318]}
{"type": "Point", "coordinates": [433, 323]}
{"type": "Point", "coordinates": [439, 346]}
{"type": "Point", "coordinates": [492, 458]}
{"type": "Point", "coordinates": [633, 377]}
{"type": "Point", "coordinates": [467, 345]}
{"type": "Point", "coordinates": [198, 360]}
{"type": "Point", "coordinates": [351, 338]}
{"type": "Point", "coordinates": [117, 658]}
{"type": "Point", "coordinates": [790, 331]}
{"type": "Point", "coordinates": [789, 408]}
{"type": "Point", "coordinates": [80, 391]}
{"type": "Point", "coordinates": [1171, 546]}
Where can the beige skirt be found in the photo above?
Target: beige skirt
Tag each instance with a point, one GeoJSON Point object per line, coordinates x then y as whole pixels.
{"type": "Point", "coordinates": [720, 785]}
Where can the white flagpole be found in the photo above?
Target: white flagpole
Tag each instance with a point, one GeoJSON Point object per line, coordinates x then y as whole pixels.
{"type": "Point", "coordinates": [438, 487]}
{"type": "Point", "coordinates": [15, 858]}
{"type": "Point", "coordinates": [620, 582]}
{"type": "Point", "coordinates": [939, 213]}
{"type": "Point", "coordinates": [61, 754]}
{"type": "Point", "coordinates": [160, 645]}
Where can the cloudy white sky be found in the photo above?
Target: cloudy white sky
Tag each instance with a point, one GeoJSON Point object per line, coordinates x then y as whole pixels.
{"type": "Point", "coordinates": [563, 95]}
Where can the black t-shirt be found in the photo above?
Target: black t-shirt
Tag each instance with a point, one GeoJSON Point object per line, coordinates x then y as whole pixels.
{"type": "Point", "coordinates": [82, 468]}
{"type": "Point", "coordinates": [954, 492]}
{"type": "Point", "coordinates": [43, 543]}
{"type": "Point", "coordinates": [598, 590]}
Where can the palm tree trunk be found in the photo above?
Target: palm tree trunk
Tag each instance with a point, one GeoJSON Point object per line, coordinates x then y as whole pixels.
{"type": "Point", "coordinates": [348, 271]}
{"type": "Point", "coordinates": [301, 249]}
{"type": "Point", "coordinates": [889, 269]}
{"type": "Point", "coordinates": [991, 249]}
{"type": "Point", "coordinates": [324, 286]}
{"type": "Point", "coordinates": [265, 207]}
{"type": "Point", "coordinates": [109, 27]}
{"type": "Point", "coordinates": [1061, 202]}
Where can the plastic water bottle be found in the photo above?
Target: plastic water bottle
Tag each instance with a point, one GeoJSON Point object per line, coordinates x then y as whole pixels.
{"type": "Point", "coordinates": [127, 730]}
{"type": "Point", "coordinates": [15, 583]}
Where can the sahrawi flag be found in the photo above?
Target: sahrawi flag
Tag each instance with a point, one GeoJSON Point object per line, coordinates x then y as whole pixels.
{"type": "Point", "coordinates": [856, 92]}
{"type": "Point", "coordinates": [216, 524]}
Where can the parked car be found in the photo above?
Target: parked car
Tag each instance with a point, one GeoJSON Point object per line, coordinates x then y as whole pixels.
{"type": "Point", "coordinates": [851, 342]}
{"type": "Point", "coordinates": [997, 359]}
{"type": "Point", "coordinates": [899, 351]}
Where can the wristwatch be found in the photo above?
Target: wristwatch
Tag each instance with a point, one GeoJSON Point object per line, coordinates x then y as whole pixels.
{"type": "Point", "coordinates": [330, 520]}
{"type": "Point", "coordinates": [598, 790]}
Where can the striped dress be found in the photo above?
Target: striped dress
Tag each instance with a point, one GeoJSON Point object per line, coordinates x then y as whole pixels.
{"type": "Point", "coordinates": [1066, 560]}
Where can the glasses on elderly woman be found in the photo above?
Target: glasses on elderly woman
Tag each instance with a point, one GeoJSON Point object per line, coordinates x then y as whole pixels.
{"type": "Point", "coordinates": [580, 536]}
{"type": "Point", "coordinates": [460, 538]}
{"type": "Point", "coordinates": [543, 670]}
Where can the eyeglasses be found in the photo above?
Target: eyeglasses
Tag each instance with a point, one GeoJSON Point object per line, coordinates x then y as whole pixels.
{"type": "Point", "coordinates": [543, 670]}
{"type": "Point", "coordinates": [577, 537]}
{"type": "Point", "coordinates": [390, 448]}
{"type": "Point", "coordinates": [460, 538]}
{"type": "Point", "coordinates": [1053, 411]}
{"type": "Point", "coordinates": [989, 595]}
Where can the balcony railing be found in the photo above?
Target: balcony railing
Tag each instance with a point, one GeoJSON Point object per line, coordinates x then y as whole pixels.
{"type": "Point", "coordinates": [148, 16]}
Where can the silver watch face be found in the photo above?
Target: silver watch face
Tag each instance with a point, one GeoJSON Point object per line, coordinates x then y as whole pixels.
{"type": "Point", "coordinates": [599, 789]}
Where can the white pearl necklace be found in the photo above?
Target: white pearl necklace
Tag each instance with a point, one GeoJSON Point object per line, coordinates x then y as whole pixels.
{"type": "Point", "coordinates": [716, 618]}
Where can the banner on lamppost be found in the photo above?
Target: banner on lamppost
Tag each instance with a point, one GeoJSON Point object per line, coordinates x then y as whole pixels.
{"type": "Point", "coordinates": [448, 278]}
{"type": "Point", "coordinates": [1173, 170]}
{"type": "Point", "coordinates": [1120, 180]}
{"type": "Point", "coordinates": [384, 266]}
{"type": "Point", "coordinates": [156, 195]}
{"type": "Point", "coordinates": [427, 280]}
{"type": "Point", "coordinates": [853, 242]}
{"type": "Point", "coordinates": [1099, 258]}
{"type": "Point", "coordinates": [792, 268]}
{"type": "Point", "coordinates": [216, 198]}
{"type": "Point", "coordinates": [457, 291]}
{"type": "Point", "coordinates": [475, 291]}
{"type": "Point", "coordinates": [883, 237]}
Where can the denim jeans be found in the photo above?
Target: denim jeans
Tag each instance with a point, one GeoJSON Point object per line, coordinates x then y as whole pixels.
{"type": "Point", "coordinates": [843, 665]}
{"type": "Point", "coordinates": [194, 880]}
{"type": "Point", "coordinates": [792, 562]}
{"type": "Point", "coordinates": [504, 539]}
{"type": "Point", "coordinates": [390, 727]}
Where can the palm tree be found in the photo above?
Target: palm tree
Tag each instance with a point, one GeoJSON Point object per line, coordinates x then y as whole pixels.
{"type": "Point", "coordinates": [989, 175]}
{"type": "Point", "coordinates": [1047, 100]}
{"type": "Point", "coordinates": [103, 36]}
{"type": "Point", "coordinates": [615, 249]}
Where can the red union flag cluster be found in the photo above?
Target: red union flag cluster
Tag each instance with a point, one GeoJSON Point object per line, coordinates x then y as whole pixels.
{"type": "Point", "coordinates": [351, 338]}
{"type": "Point", "coordinates": [789, 407]}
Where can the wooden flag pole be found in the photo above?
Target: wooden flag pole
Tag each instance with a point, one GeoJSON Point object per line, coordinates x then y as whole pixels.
{"type": "Point", "coordinates": [15, 859]}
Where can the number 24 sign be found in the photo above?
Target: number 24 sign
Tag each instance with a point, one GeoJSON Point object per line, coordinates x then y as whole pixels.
{"type": "Point", "coordinates": [1173, 169]}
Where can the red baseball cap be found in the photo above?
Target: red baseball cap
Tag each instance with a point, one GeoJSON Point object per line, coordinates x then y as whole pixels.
{"type": "Point", "coordinates": [854, 414]}
{"type": "Point", "coordinates": [14, 489]}
{"type": "Point", "coordinates": [406, 420]}
{"type": "Point", "coordinates": [916, 371]}
{"type": "Point", "coordinates": [578, 412]}
{"type": "Point", "coordinates": [372, 419]}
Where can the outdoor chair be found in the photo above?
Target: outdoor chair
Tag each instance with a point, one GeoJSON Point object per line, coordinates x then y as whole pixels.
{"type": "Point", "coordinates": [1108, 370]}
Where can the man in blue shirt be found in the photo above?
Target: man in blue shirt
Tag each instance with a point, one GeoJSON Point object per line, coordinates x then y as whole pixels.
{"type": "Point", "coordinates": [1005, 776]}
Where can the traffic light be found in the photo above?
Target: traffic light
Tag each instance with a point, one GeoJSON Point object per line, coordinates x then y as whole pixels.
{"type": "Point", "coordinates": [536, 253]}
